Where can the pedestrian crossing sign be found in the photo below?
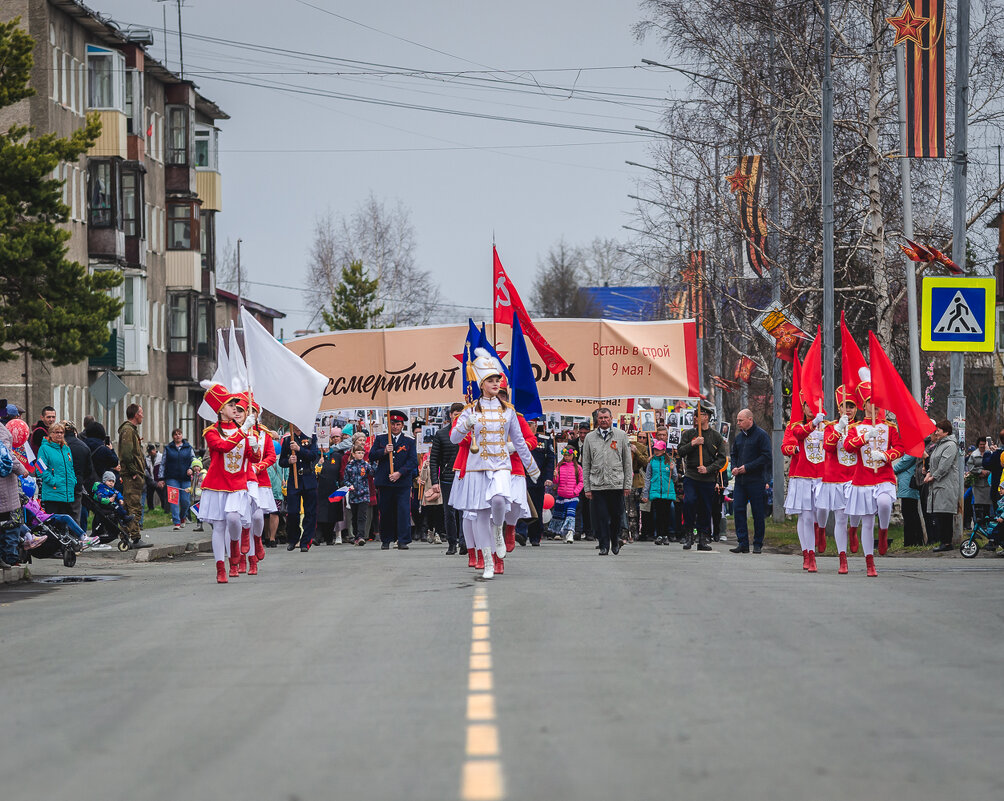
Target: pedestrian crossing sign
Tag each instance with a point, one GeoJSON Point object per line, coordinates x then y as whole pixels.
{"type": "Point", "coordinates": [958, 314]}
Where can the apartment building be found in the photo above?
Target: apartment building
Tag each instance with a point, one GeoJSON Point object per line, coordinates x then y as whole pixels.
{"type": "Point", "coordinates": [143, 201]}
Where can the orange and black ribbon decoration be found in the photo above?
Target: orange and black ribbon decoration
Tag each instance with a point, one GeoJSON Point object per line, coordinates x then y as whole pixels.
{"type": "Point", "coordinates": [921, 26]}
{"type": "Point", "coordinates": [745, 184]}
{"type": "Point", "coordinates": [693, 274]}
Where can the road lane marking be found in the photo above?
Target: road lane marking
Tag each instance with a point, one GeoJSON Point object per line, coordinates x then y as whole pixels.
{"type": "Point", "coordinates": [481, 779]}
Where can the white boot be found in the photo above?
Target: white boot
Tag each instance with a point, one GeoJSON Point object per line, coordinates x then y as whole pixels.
{"type": "Point", "coordinates": [338, 538]}
{"type": "Point", "coordinates": [499, 541]}
{"type": "Point", "coordinates": [570, 537]}
{"type": "Point", "coordinates": [489, 564]}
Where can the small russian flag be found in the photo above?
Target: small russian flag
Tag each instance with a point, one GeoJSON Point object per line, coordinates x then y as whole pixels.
{"type": "Point", "coordinates": [338, 494]}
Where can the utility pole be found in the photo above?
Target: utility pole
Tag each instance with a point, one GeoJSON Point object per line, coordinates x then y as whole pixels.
{"type": "Point", "coordinates": [827, 188]}
{"type": "Point", "coordinates": [773, 248]}
{"type": "Point", "coordinates": [239, 299]}
{"type": "Point", "coordinates": [715, 295]}
{"type": "Point", "coordinates": [911, 268]}
{"type": "Point", "coordinates": [956, 389]}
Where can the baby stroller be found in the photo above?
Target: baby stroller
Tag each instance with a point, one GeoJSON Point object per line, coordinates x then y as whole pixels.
{"type": "Point", "coordinates": [60, 541]}
{"type": "Point", "coordinates": [105, 525]}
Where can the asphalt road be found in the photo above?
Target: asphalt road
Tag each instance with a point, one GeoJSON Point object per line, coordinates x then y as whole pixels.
{"type": "Point", "coordinates": [351, 673]}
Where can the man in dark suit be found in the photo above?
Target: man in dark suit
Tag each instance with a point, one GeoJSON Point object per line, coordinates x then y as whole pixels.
{"type": "Point", "coordinates": [442, 455]}
{"type": "Point", "coordinates": [299, 454]}
{"type": "Point", "coordinates": [751, 464]}
{"type": "Point", "coordinates": [394, 486]}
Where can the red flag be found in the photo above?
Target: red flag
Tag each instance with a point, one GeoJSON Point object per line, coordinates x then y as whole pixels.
{"type": "Point", "coordinates": [851, 358]}
{"type": "Point", "coordinates": [744, 369]}
{"type": "Point", "coordinates": [172, 494]}
{"type": "Point", "coordinates": [796, 386]}
{"type": "Point", "coordinates": [149, 130]}
{"type": "Point", "coordinates": [812, 373]}
{"type": "Point", "coordinates": [890, 393]}
{"type": "Point", "coordinates": [505, 301]}
{"type": "Point", "coordinates": [942, 259]}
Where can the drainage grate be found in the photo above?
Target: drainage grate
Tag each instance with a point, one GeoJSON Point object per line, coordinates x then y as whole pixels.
{"type": "Point", "coordinates": [74, 579]}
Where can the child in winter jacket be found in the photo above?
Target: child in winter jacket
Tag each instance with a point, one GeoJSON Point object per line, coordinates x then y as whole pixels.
{"type": "Point", "coordinates": [105, 493]}
{"type": "Point", "coordinates": [568, 485]}
{"type": "Point", "coordinates": [660, 489]}
{"type": "Point", "coordinates": [358, 473]}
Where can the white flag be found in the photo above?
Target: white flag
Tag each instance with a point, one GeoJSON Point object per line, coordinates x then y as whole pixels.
{"type": "Point", "coordinates": [281, 381]}
{"type": "Point", "coordinates": [221, 376]}
{"type": "Point", "coordinates": [238, 379]}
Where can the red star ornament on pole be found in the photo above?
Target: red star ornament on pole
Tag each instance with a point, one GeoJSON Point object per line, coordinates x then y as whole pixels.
{"type": "Point", "coordinates": [737, 181]}
{"type": "Point", "coordinates": [908, 26]}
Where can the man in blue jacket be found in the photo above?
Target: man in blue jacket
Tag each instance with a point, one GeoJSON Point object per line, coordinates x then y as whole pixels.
{"type": "Point", "coordinates": [751, 464]}
{"type": "Point", "coordinates": [299, 453]}
{"type": "Point", "coordinates": [394, 486]}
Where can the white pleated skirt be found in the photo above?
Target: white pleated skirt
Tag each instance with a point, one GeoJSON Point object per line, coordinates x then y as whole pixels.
{"type": "Point", "coordinates": [799, 497]}
{"type": "Point", "coordinates": [862, 500]}
{"type": "Point", "coordinates": [266, 500]}
{"type": "Point", "coordinates": [475, 489]}
{"type": "Point", "coordinates": [518, 484]}
{"type": "Point", "coordinates": [832, 497]}
{"type": "Point", "coordinates": [215, 504]}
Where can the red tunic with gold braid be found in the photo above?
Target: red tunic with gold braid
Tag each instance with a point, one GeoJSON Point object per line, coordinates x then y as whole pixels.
{"type": "Point", "coordinates": [266, 457]}
{"type": "Point", "coordinates": [227, 470]}
{"type": "Point", "coordinates": [840, 463]}
{"type": "Point", "coordinates": [794, 444]}
{"type": "Point", "coordinates": [869, 470]}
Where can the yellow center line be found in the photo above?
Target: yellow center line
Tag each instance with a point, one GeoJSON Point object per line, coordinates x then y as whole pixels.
{"type": "Point", "coordinates": [481, 779]}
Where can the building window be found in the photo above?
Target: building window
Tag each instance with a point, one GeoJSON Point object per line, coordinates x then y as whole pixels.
{"type": "Point", "coordinates": [132, 202]}
{"type": "Point", "coordinates": [178, 324]}
{"type": "Point", "coordinates": [206, 144]}
{"type": "Point", "coordinates": [55, 73]}
{"type": "Point", "coordinates": [105, 78]}
{"type": "Point", "coordinates": [134, 324]}
{"type": "Point", "coordinates": [177, 135]}
{"type": "Point", "coordinates": [207, 239]}
{"type": "Point", "coordinates": [103, 194]}
{"type": "Point", "coordinates": [134, 102]}
{"type": "Point", "coordinates": [202, 328]}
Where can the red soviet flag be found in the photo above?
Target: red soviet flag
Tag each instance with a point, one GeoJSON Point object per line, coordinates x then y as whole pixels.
{"type": "Point", "coordinates": [812, 373]}
{"type": "Point", "coordinates": [506, 301]}
{"type": "Point", "coordinates": [890, 393]}
{"type": "Point", "coordinates": [797, 415]}
{"type": "Point", "coordinates": [851, 359]}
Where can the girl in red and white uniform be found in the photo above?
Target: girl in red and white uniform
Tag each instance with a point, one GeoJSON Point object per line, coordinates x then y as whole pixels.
{"type": "Point", "coordinates": [483, 490]}
{"type": "Point", "coordinates": [258, 444]}
{"type": "Point", "coordinates": [224, 502]}
{"type": "Point", "coordinates": [873, 487]}
{"type": "Point", "coordinates": [520, 508]}
{"type": "Point", "coordinates": [838, 470]}
{"type": "Point", "coordinates": [803, 442]}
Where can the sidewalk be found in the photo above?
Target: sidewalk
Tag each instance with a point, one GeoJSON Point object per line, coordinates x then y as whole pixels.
{"type": "Point", "coordinates": [165, 542]}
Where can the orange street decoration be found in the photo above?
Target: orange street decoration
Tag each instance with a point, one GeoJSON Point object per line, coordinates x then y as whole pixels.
{"type": "Point", "coordinates": [744, 369]}
{"type": "Point", "coordinates": [908, 26]}
{"type": "Point", "coordinates": [745, 184]}
{"type": "Point", "coordinates": [920, 28]}
{"type": "Point", "coordinates": [781, 327]}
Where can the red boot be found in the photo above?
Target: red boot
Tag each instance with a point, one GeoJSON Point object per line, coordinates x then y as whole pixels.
{"type": "Point", "coordinates": [252, 564]}
{"type": "Point", "coordinates": [852, 537]}
{"type": "Point", "coordinates": [812, 562]}
{"type": "Point", "coordinates": [480, 563]}
{"type": "Point", "coordinates": [259, 549]}
{"type": "Point", "coordinates": [883, 541]}
{"type": "Point", "coordinates": [843, 563]}
{"type": "Point", "coordinates": [245, 540]}
{"type": "Point", "coordinates": [509, 536]}
{"type": "Point", "coordinates": [870, 564]}
{"type": "Point", "coordinates": [242, 564]}
{"type": "Point", "coordinates": [233, 567]}
{"type": "Point", "coordinates": [805, 560]}
{"type": "Point", "coordinates": [472, 560]}
{"type": "Point", "coordinates": [820, 539]}
{"type": "Point", "coordinates": [499, 565]}
{"type": "Point", "coordinates": [221, 572]}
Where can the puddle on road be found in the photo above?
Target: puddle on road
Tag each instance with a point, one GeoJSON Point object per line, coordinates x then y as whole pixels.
{"type": "Point", "coordinates": [73, 579]}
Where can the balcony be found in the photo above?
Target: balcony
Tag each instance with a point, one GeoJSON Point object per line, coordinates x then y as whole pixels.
{"type": "Point", "coordinates": [184, 269]}
{"type": "Point", "coordinates": [113, 139]}
{"type": "Point", "coordinates": [114, 356]}
{"type": "Point", "coordinates": [210, 189]}
{"type": "Point", "coordinates": [183, 368]}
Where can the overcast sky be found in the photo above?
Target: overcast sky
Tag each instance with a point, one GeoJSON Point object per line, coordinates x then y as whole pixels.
{"type": "Point", "coordinates": [287, 156]}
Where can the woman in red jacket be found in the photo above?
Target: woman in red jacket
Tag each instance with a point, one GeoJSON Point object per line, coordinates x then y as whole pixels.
{"type": "Point", "coordinates": [224, 502]}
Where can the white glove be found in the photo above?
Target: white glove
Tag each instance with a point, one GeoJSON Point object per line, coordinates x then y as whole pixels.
{"type": "Point", "coordinates": [818, 419]}
{"type": "Point", "coordinates": [841, 425]}
{"type": "Point", "coordinates": [880, 456]}
{"type": "Point", "coordinates": [872, 435]}
{"type": "Point", "coordinates": [863, 431]}
{"type": "Point", "coordinates": [247, 426]}
{"type": "Point", "coordinates": [510, 447]}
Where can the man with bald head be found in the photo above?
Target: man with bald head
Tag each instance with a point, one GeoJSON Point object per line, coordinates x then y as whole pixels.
{"type": "Point", "coordinates": [751, 464]}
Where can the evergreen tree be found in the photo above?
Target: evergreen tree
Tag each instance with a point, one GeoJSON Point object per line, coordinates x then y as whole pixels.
{"type": "Point", "coordinates": [353, 303]}
{"type": "Point", "coordinates": [50, 308]}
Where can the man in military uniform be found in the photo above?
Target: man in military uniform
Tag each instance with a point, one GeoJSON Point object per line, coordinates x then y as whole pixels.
{"type": "Point", "coordinates": [299, 454]}
{"type": "Point", "coordinates": [394, 485]}
{"type": "Point", "coordinates": [133, 470]}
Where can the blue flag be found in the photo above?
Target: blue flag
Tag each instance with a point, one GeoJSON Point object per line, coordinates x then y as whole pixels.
{"type": "Point", "coordinates": [477, 339]}
{"type": "Point", "coordinates": [522, 384]}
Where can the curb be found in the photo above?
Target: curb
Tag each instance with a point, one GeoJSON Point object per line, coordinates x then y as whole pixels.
{"type": "Point", "coordinates": [169, 551]}
{"type": "Point", "coordinates": [13, 575]}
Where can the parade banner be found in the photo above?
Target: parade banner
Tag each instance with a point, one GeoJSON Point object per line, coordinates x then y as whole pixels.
{"type": "Point", "coordinates": [402, 367]}
{"type": "Point", "coordinates": [920, 27]}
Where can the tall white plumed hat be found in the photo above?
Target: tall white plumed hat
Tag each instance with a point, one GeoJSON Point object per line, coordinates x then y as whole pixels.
{"type": "Point", "coordinates": [484, 365]}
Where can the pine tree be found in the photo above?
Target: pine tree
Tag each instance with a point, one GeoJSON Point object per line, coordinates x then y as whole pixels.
{"type": "Point", "coordinates": [50, 308]}
{"type": "Point", "coordinates": [353, 303]}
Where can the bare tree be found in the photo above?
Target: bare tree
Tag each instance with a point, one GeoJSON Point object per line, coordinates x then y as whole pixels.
{"type": "Point", "coordinates": [226, 267]}
{"type": "Point", "coordinates": [605, 263]}
{"type": "Point", "coordinates": [383, 239]}
{"type": "Point", "coordinates": [556, 288]}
